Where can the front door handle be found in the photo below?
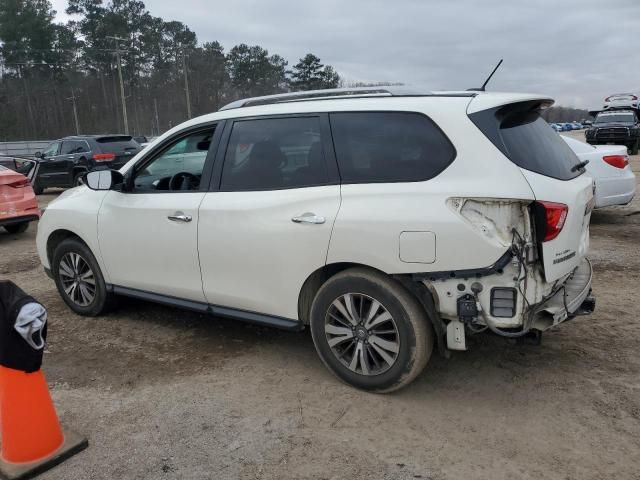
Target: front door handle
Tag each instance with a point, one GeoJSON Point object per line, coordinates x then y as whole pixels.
{"type": "Point", "coordinates": [180, 217]}
{"type": "Point", "coordinates": [309, 218]}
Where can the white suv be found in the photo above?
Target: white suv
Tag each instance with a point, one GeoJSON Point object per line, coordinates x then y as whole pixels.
{"type": "Point", "coordinates": [387, 221]}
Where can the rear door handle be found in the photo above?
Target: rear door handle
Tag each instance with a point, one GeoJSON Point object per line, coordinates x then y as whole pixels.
{"type": "Point", "coordinates": [180, 217]}
{"type": "Point", "coordinates": [309, 218]}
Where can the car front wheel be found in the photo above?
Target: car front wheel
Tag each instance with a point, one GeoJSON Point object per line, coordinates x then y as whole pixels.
{"type": "Point", "coordinates": [369, 331]}
{"type": "Point", "coordinates": [79, 279]}
{"type": "Point", "coordinates": [78, 180]}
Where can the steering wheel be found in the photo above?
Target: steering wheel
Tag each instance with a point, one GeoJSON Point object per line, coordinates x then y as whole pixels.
{"type": "Point", "coordinates": [183, 181]}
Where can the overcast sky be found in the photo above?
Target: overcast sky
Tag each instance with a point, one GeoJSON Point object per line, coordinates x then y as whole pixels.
{"type": "Point", "coordinates": [577, 51]}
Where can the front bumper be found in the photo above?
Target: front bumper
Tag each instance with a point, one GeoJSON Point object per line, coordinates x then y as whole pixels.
{"type": "Point", "coordinates": [612, 139]}
{"type": "Point", "coordinates": [571, 298]}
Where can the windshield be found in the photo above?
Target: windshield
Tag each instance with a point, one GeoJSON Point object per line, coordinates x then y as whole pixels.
{"type": "Point", "coordinates": [615, 117]}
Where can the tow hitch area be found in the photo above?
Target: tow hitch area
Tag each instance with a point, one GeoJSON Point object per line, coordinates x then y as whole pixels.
{"type": "Point", "coordinates": [588, 306]}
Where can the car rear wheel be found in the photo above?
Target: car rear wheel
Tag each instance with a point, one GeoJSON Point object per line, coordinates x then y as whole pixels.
{"type": "Point", "coordinates": [17, 227]}
{"type": "Point", "coordinates": [79, 279]}
{"type": "Point", "coordinates": [369, 331]}
{"type": "Point", "coordinates": [633, 149]}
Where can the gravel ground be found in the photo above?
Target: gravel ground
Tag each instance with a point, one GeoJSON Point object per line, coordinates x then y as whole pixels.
{"type": "Point", "coordinates": [163, 393]}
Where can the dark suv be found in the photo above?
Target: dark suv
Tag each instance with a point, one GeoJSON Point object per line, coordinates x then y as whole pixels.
{"type": "Point", "coordinates": [65, 161]}
{"type": "Point", "coordinates": [619, 127]}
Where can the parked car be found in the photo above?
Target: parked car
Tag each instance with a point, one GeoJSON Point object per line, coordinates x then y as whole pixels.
{"type": "Point", "coordinates": [387, 221]}
{"type": "Point", "coordinates": [616, 127]}
{"type": "Point", "coordinates": [18, 203]}
{"type": "Point", "coordinates": [556, 127]}
{"type": "Point", "coordinates": [609, 167]}
{"type": "Point", "coordinates": [26, 166]}
{"type": "Point", "coordinates": [64, 162]}
{"type": "Point", "coordinates": [621, 100]}
{"type": "Point", "coordinates": [587, 123]}
{"type": "Point", "coordinates": [576, 126]}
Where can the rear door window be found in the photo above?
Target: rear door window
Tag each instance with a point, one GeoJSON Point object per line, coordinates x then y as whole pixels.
{"type": "Point", "coordinates": [274, 153]}
{"type": "Point", "coordinates": [374, 147]}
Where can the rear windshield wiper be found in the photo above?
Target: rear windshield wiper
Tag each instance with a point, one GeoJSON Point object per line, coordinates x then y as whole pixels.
{"type": "Point", "coordinates": [579, 166]}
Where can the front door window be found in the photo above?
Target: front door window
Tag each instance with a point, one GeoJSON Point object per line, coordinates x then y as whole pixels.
{"type": "Point", "coordinates": [178, 167]}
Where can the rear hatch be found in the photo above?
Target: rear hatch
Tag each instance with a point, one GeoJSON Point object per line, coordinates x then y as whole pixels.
{"type": "Point", "coordinates": [563, 192]}
{"type": "Point", "coordinates": [116, 150]}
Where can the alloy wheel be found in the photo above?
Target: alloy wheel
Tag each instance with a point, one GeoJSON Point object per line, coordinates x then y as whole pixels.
{"type": "Point", "coordinates": [362, 334]}
{"type": "Point", "coordinates": [78, 280]}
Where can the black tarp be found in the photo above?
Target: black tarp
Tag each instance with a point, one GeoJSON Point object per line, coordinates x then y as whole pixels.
{"type": "Point", "coordinates": [15, 352]}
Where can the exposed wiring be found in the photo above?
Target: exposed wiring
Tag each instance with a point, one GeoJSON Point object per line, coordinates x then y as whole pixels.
{"type": "Point", "coordinates": [518, 248]}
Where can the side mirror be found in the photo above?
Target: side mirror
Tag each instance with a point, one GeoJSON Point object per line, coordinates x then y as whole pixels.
{"type": "Point", "coordinates": [38, 155]}
{"type": "Point", "coordinates": [103, 179]}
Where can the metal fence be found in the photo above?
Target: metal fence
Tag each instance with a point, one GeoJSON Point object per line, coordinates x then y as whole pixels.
{"type": "Point", "coordinates": [23, 149]}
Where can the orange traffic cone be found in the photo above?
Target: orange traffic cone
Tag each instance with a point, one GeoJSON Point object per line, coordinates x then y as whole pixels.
{"type": "Point", "coordinates": [32, 439]}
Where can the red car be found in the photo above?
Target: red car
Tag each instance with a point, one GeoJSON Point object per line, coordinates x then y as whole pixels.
{"type": "Point", "coordinates": [18, 204]}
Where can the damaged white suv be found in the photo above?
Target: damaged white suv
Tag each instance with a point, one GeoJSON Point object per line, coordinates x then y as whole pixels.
{"type": "Point", "coordinates": [388, 221]}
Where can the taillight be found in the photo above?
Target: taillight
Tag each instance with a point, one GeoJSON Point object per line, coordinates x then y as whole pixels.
{"type": "Point", "coordinates": [618, 161]}
{"type": "Point", "coordinates": [104, 157]}
{"type": "Point", "coordinates": [20, 183]}
{"type": "Point", "coordinates": [555, 215]}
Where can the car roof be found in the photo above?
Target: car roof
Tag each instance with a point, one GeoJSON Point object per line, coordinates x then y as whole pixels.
{"type": "Point", "coordinates": [88, 137]}
{"type": "Point", "coordinates": [495, 98]}
{"type": "Point", "coordinates": [341, 93]}
{"type": "Point", "coordinates": [613, 112]}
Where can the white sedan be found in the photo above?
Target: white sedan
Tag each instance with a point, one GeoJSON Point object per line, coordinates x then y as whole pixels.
{"type": "Point", "coordinates": [609, 167]}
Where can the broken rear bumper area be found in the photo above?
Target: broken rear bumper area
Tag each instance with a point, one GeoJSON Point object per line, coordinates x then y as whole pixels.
{"type": "Point", "coordinates": [568, 300]}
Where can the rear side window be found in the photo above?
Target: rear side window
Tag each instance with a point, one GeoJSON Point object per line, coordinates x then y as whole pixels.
{"type": "Point", "coordinates": [375, 147]}
{"type": "Point", "coordinates": [120, 143]}
{"type": "Point", "coordinates": [526, 139]}
{"type": "Point", "coordinates": [275, 153]}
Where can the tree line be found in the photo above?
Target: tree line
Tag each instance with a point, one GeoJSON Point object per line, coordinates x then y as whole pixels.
{"type": "Point", "coordinates": [565, 114]}
{"type": "Point", "coordinates": [56, 79]}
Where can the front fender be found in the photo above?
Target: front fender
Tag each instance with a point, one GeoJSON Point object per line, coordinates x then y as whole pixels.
{"type": "Point", "coordinates": [75, 212]}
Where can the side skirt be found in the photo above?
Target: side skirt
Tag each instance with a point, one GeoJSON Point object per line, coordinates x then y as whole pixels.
{"type": "Point", "coordinates": [215, 310]}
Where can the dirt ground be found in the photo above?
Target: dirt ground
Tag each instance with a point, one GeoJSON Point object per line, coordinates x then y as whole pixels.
{"type": "Point", "coordinates": [163, 393]}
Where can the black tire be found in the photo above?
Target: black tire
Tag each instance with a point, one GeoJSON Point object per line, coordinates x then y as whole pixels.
{"type": "Point", "coordinates": [102, 300]}
{"type": "Point", "coordinates": [633, 149]}
{"type": "Point", "coordinates": [78, 179]}
{"type": "Point", "coordinates": [17, 227]}
{"type": "Point", "coordinates": [37, 189]}
{"type": "Point", "coordinates": [413, 331]}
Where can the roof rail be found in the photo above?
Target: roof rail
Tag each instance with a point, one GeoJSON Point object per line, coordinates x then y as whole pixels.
{"type": "Point", "coordinates": [356, 92]}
